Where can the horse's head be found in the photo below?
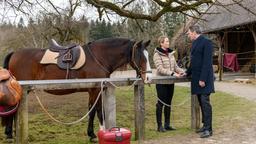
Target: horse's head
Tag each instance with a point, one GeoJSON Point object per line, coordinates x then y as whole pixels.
{"type": "Point", "coordinates": [140, 61]}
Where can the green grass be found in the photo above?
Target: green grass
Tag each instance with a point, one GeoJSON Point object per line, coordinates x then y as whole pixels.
{"type": "Point", "coordinates": [228, 111]}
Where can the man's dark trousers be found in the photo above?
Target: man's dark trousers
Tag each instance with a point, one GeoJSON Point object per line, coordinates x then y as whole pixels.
{"type": "Point", "coordinates": [206, 108]}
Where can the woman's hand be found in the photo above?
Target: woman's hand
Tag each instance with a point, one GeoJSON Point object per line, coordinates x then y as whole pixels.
{"type": "Point", "coordinates": [177, 75]}
{"type": "Point", "coordinates": [182, 74]}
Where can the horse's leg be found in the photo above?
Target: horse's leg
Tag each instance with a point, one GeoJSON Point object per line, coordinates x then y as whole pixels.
{"type": "Point", "coordinates": [99, 112]}
{"type": "Point", "coordinates": [8, 122]}
{"type": "Point", "coordinates": [93, 94]}
{"type": "Point", "coordinates": [90, 128]}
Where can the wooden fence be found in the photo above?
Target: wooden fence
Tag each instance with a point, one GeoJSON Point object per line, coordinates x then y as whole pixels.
{"type": "Point", "coordinates": [109, 101]}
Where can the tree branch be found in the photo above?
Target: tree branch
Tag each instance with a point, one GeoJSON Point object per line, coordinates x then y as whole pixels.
{"type": "Point", "coordinates": [166, 6]}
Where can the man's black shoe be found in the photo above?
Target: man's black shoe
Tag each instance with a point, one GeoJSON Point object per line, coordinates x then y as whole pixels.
{"type": "Point", "coordinates": [169, 128]}
{"type": "Point", "coordinates": [206, 134]}
{"type": "Point", "coordinates": [161, 129]}
{"type": "Point", "coordinates": [200, 130]}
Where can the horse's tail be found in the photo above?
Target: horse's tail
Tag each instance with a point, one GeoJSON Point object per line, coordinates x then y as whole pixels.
{"type": "Point", "coordinates": [7, 120]}
{"type": "Point", "coordinates": [6, 60]}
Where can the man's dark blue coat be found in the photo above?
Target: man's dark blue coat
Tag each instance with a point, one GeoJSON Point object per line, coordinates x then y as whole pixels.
{"type": "Point", "coordinates": [201, 66]}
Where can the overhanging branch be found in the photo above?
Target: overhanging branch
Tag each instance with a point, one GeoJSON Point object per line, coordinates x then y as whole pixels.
{"type": "Point", "coordinates": [165, 7]}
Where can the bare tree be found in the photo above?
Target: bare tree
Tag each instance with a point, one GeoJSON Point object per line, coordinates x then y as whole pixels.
{"type": "Point", "coordinates": [123, 7]}
{"type": "Point", "coordinates": [62, 21]}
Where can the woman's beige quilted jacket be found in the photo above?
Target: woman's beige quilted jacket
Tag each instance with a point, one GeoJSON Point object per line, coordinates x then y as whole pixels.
{"type": "Point", "coordinates": [165, 65]}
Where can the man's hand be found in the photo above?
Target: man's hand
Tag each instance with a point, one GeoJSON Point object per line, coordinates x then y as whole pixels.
{"type": "Point", "coordinates": [202, 83]}
{"type": "Point", "coordinates": [183, 74]}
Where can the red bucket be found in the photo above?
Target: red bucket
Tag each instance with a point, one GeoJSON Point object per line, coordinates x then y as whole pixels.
{"type": "Point", "coordinates": [114, 135]}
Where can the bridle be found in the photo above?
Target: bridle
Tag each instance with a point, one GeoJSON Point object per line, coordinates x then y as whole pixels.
{"type": "Point", "coordinates": [137, 68]}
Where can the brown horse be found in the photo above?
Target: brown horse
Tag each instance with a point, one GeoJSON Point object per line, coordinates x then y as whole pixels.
{"type": "Point", "coordinates": [102, 58]}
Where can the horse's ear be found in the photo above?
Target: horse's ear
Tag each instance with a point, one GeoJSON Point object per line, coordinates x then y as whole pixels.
{"type": "Point", "coordinates": [139, 43]}
{"type": "Point", "coordinates": [147, 43]}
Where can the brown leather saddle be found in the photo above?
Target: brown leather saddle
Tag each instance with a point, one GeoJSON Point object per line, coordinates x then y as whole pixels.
{"type": "Point", "coordinates": [68, 55]}
{"type": "Point", "coordinates": [10, 89]}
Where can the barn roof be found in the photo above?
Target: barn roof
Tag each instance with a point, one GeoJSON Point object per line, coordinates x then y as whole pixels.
{"type": "Point", "coordinates": [228, 14]}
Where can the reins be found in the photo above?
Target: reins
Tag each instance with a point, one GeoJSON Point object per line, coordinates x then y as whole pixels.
{"type": "Point", "coordinates": [97, 61]}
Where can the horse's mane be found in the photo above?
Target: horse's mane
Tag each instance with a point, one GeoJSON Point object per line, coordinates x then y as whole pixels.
{"type": "Point", "coordinates": [112, 41]}
{"type": "Point", "coordinates": [115, 43]}
{"type": "Point", "coordinates": [6, 60]}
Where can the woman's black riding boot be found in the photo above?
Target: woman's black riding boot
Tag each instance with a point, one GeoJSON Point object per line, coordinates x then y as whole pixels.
{"type": "Point", "coordinates": [167, 114]}
{"type": "Point", "coordinates": [159, 118]}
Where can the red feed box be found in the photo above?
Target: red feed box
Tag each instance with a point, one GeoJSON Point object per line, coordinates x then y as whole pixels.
{"type": "Point", "coordinates": [114, 135]}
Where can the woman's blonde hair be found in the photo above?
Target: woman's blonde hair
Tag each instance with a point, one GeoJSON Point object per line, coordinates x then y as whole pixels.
{"type": "Point", "coordinates": [161, 39]}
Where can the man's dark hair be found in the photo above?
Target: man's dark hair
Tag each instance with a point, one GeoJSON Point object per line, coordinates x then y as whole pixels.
{"type": "Point", "coordinates": [195, 28]}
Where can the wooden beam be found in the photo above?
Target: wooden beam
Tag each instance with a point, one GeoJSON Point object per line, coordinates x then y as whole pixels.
{"type": "Point", "coordinates": [109, 103]}
{"type": "Point", "coordinates": [92, 83]}
{"type": "Point", "coordinates": [195, 112]}
{"type": "Point", "coordinates": [252, 28]}
{"type": "Point", "coordinates": [139, 106]}
{"type": "Point", "coordinates": [220, 58]}
{"type": "Point", "coordinates": [22, 119]}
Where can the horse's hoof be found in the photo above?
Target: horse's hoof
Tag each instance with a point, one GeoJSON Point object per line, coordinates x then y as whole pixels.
{"type": "Point", "coordinates": [9, 140]}
{"type": "Point", "coordinates": [94, 140]}
{"type": "Point", "coordinates": [92, 136]}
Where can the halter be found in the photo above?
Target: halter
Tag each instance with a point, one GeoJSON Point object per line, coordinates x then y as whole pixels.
{"type": "Point", "coordinates": [138, 69]}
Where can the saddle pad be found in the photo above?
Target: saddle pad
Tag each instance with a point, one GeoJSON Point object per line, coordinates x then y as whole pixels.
{"type": "Point", "coordinates": [49, 57]}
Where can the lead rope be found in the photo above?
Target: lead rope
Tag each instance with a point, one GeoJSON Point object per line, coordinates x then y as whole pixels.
{"type": "Point", "coordinates": [132, 85]}
{"type": "Point", "coordinates": [165, 104]}
{"type": "Point", "coordinates": [178, 105]}
{"type": "Point", "coordinates": [68, 123]}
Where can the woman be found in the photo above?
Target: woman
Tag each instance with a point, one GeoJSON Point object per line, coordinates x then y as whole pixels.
{"type": "Point", "coordinates": [166, 65]}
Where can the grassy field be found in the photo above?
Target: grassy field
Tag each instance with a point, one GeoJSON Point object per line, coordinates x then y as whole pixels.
{"type": "Point", "coordinates": [228, 111]}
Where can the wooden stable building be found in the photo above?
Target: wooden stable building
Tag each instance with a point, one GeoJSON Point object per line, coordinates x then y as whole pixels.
{"type": "Point", "coordinates": [232, 27]}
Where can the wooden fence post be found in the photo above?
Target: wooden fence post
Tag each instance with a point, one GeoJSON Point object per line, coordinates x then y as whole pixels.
{"type": "Point", "coordinates": [220, 59]}
{"type": "Point", "coordinates": [109, 101]}
{"type": "Point", "coordinates": [139, 112]}
{"type": "Point", "coordinates": [195, 112]}
{"type": "Point", "coordinates": [22, 119]}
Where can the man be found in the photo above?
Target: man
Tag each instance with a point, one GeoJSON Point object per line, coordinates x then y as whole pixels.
{"type": "Point", "coordinates": [202, 82]}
